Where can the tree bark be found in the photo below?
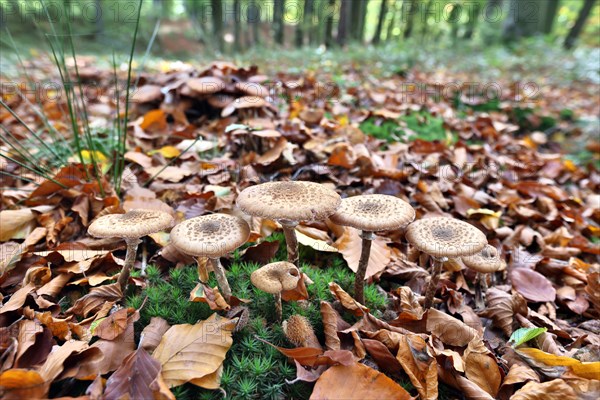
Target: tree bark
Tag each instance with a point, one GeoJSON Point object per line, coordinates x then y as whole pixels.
{"type": "Point", "coordinates": [551, 10]}
{"type": "Point", "coordinates": [217, 20]}
{"type": "Point", "coordinates": [474, 13]}
{"type": "Point", "coordinates": [345, 15]}
{"type": "Point", "coordinates": [253, 19]}
{"type": "Point", "coordinates": [409, 10]}
{"type": "Point", "coordinates": [278, 16]}
{"type": "Point", "coordinates": [329, 24]}
{"type": "Point", "coordinates": [380, 20]}
{"type": "Point", "coordinates": [579, 24]}
{"type": "Point", "coordinates": [237, 26]}
{"type": "Point", "coordinates": [362, 20]}
{"type": "Point", "coordinates": [308, 21]}
{"type": "Point", "coordinates": [524, 19]}
{"type": "Point", "coordinates": [390, 28]}
{"type": "Point", "coordinates": [304, 24]}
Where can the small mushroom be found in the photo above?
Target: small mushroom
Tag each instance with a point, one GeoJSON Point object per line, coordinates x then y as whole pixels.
{"type": "Point", "coordinates": [442, 237]}
{"type": "Point", "coordinates": [371, 213]}
{"type": "Point", "coordinates": [211, 236]}
{"type": "Point", "coordinates": [289, 203]}
{"type": "Point", "coordinates": [206, 85]}
{"type": "Point", "coordinates": [274, 278]}
{"type": "Point", "coordinates": [484, 262]}
{"type": "Point", "coordinates": [130, 226]}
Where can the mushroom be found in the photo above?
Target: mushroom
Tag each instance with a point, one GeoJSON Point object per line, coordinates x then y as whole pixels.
{"type": "Point", "coordinates": [274, 278]}
{"type": "Point", "coordinates": [289, 203]}
{"type": "Point", "coordinates": [211, 236]}
{"type": "Point", "coordinates": [371, 213]}
{"type": "Point", "coordinates": [442, 237]}
{"type": "Point", "coordinates": [130, 226]}
{"type": "Point", "coordinates": [484, 262]}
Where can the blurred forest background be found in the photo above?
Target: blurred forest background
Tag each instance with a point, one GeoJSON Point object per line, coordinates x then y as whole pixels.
{"type": "Point", "coordinates": [188, 28]}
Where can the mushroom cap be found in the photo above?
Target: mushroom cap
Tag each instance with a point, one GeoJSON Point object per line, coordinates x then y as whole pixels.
{"type": "Point", "coordinates": [206, 84]}
{"type": "Point", "coordinates": [276, 277]}
{"type": "Point", "coordinates": [291, 200]}
{"type": "Point", "coordinates": [133, 224]}
{"type": "Point", "coordinates": [485, 261]}
{"type": "Point", "coordinates": [147, 93]}
{"type": "Point", "coordinates": [374, 212]}
{"type": "Point", "coordinates": [445, 237]}
{"type": "Point", "coordinates": [210, 235]}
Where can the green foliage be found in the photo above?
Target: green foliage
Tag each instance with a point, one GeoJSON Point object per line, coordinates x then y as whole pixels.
{"type": "Point", "coordinates": [523, 335]}
{"type": "Point", "coordinates": [419, 125]}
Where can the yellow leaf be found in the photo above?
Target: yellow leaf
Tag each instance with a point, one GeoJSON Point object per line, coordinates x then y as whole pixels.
{"type": "Point", "coordinates": [22, 384]}
{"type": "Point", "coordinates": [570, 165]}
{"type": "Point", "coordinates": [166, 151]}
{"type": "Point", "coordinates": [343, 120]}
{"type": "Point", "coordinates": [587, 370]}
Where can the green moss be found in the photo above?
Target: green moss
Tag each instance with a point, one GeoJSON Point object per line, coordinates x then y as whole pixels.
{"type": "Point", "coordinates": [422, 125]}
{"type": "Point", "coordinates": [252, 368]}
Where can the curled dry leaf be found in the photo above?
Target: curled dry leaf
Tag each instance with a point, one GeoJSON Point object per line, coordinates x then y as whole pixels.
{"type": "Point", "coordinates": [382, 356]}
{"type": "Point", "coordinates": [138, 377]}
{"type": "Point", "coordinates": [556, 389]}
{"type": "Point", "coordinates": [357, 381]}
{"type": "Point", "coordinates": [112, 326]}
{"type": "Point", "coordinates": [332, 323]}
{"type": "Point", "coordinates": [502, 307]}
{"type": "Point", "coordinates": [420, 367]}
{"type": "Point", "coordinates": [410, 307]}
{"type": "Point", "coordinates": [450, 330]}
{"type": "Point", "coordinates": [346, 300]}
{"type": "Point", "coordinates": [532, 285]}
{"type": "Point", "coordinates": [558, 366]}
{"type": "Point", "coordinates": [204, 294]}
{"type": "Point", "coordinates": [153, 333]}
{"type": "Point", "coordinates": [201, 348]}
{"type": "Point", "coordinates": [483, 370]}
{"type": "Point", "coordinates": [74, 358]}
{"type": "Point", "coordinates": [350, 245]}
{"type": "Point", "coordinates": [95, 299]}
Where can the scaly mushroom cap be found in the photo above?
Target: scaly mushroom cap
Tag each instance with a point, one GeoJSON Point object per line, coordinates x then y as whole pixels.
{"type": "Point", "coordinates": [374, 212]}
{"type": "Point", "coordinates": [485, 261]}
{"type": "Point", "coordinates": [210, 235]}
{"type": "Point", "coordinates": [206, 85]}
{"type": "Point", "coordinates": [133, 224]}
{"type": "Point", "coordinates": [276, 277]}
{"type": "Point", "coordinates": [445, 237]}
{"type": "Point", "coordinates": [292, 200]}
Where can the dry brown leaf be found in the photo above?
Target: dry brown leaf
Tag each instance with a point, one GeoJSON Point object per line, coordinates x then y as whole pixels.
{"type": "Point", "coordinates": [483, 370]}
{"type": "Point", "coordinates": [332, 323]}
{"type": "Point", "coordinates": [153, 333]}
{"type": "Point", "coordinates": [112, 326]}
{"type": "Point", "coordinates": [501, 308]}
{"type": "Point", "coordinates": [200, 347]}
{"type": "Point", "coordinates": [59, 327]}
{"type": "Point", "coordinates": [33, 344]}
{"type": "Point", "coordinates": [19, 384]}
{"type": "Point", "coordinates": [450, 330]}
{"type": "Point", "coordinates": [357, 381]}
{"type": "Point", "coordinates": [556, 389]}
{"type": "Point", "coordinates": [95, 299]}
{"type": "Point", "coordinates": [16, 224]}
{"type": "Point", "coordinates": [73, 359]}
{"type": "Point", "coordinates": [350, 245]}
{"type": "Point", "coordinates": [554, 365]}
{"type": "Point", "coordinates": [532, 285]}
{"type": "Point", "coordinates": [409, 304]}
{"type": "Point", "coordinates": [420, 367]}
{"type": "Point", "coordinates": [17, 299]}
{"type": "Point", "coordinates": [384, 358]}
{"type": "Point", "coordinates": [204, 294]}
{"type": "Point", "coordinates": [346, 300]}
{"type": "Point", "coordinates": [135, 379]}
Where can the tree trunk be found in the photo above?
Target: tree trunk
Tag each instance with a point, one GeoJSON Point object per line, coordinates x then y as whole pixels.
{"type": "Point", "coordinates": [551, 10]}
{"type": "Point", "coordinates": [579, 24]}
{"type": "Point", "coordinates": [390, 28]}
{"type": "Point", "coordinates": [524, 19]}
{"type": "Point", "coordinates": [410, 11]}
{"type": "Point", "coordinates": [454, 19]}
{"type": "Point", "coordinates": [278, 11]}
{"type": "Point", "coordinates": [474, 12]}
{"type": "Point", "coordinates": [329, 24]}
{"type": "Point", "coordinates": [99, 20]}
{"type": "Point", "coordinates": [217, 20]}
{"type": "Point", "coordinates": [345, 15]}
{"type": "Point", "coordinates": [362, 20]}
{"type": "Point", "coordinates": [380, 21]}
{"type": "Point", "coordinates": [253, 19]}
{"type": "Point", "coordinates": [308, 20]}
{"type": "Point", "coordinates": [425, 20]}
{"type": "Point", "coordinates": [237, 25]}
{"type": "Point", "coordinates": [304, 24]}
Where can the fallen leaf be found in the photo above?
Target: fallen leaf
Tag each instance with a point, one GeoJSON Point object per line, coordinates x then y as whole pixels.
{"type": "Point", "coordinates": [19, 384]}
{"type": "Point", "coordinates": [357, 381]}
{"type": "Point", "coordinates": [347, 301]}
{"type": "Point", "coordinates": [201, 348]}
{"type": "Point", "coordinates": [483, 370]}
{"type": "Point", "coordinates": [350, 245]}
{"type": "Point", "coordinates": [532, 285]}
{"type": "Point", "coordinates": [556, 389]}
{"type": "Point", "coordinates": [541, 359]}
{"type": "Point", "coordinates": [153, 333]}
{"type": "Point", "coordinates": [420, 367]}
{"type": "Point", "coordinates": [95, 299]}
{"type": "Point", "coordinates": [448, 329]}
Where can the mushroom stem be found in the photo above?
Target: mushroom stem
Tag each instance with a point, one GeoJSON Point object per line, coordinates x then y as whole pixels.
{"type": "Point", "coordinates": [221, 278]}
{"type": "Point", "coordinates": [132, 245]}
{"type": "Point", "coordinates": [289, 230]}
{"type": "Point", "coordinates": [278, 307]}
{"type": "Point", "coordinates": [480, 290]}
{"type": "Point", "coordinates": [359, 282]}
{"type": "Point", "coordinates": [433, 282]}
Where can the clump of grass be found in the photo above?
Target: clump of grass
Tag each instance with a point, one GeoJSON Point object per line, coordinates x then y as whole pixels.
{"type": "Point", "coordinates": [424, 125]}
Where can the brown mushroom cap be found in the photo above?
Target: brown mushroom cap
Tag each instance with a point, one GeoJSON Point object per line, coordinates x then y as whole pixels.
{"type": "Point", "coordinates": [276, 277]}
{"type": "Point", "coordinates": [206, 85]}
{"type": "Point", "coordinates": [147, 93]}
{"type": "Point", "coordinates": [485, 261]}
{"type": "Point", "coordinates": [445, 237]}
{"type": "Point", "coordinates": [252, 89]}
{"type": "Point", "coordinates": [374, 212]}
{"type": "Point", "coordinates": [133, 224]}
{"type": "Point", "coordinates": [292, 200]}
{"type": "Point", "coordinates": [210, 235]}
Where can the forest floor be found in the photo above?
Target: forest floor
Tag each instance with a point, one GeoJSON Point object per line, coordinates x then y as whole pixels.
{"type": "Point", "coordinates": [507, 142]}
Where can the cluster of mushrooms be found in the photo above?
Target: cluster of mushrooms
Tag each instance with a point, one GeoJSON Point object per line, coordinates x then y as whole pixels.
{"type": "Point", "coordinates": [289, 203]}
